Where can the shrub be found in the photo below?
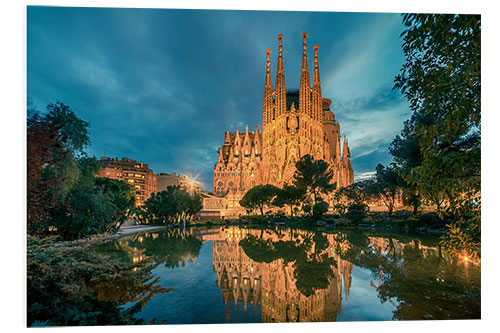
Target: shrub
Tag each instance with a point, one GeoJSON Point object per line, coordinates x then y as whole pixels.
{"type": "Point", "coordinates": [413, 223]}
{"type": "Point", "coordinates": [69, 285]}
{"type": "Point", "coordinates": [254, 219]}
{"type": "Point", "coordinates": [431, 220]}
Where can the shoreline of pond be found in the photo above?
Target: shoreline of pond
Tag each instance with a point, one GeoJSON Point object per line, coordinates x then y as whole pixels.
{"type": "Point", "coordinates": [404, 225]}
{"type": "Point", "coordinates": [259, 222]}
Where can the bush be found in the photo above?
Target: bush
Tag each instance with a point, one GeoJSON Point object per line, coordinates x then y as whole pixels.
{"type": "Point", "coordinates": [431, 220]}
{"type": "Point", "coordinates": [69, 285]}
{"type": "Point", "coordinates": [254, 219]}
{"type": "Point", "coordinates": [399, 223]}
{"type": "Point", "coordinates": [413, 223]}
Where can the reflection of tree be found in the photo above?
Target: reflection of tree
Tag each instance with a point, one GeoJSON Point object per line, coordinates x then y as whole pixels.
{"type": "Point", "coordinates": [171, 248]}
{"type": "Point", "coordinates": [80, 285]}
{"type": "Point", "coordinates": [424, 282]}
{"type": "Point", "coordinates": [312, 268]}
{"type": "Point", "coordinates": [428, 287]}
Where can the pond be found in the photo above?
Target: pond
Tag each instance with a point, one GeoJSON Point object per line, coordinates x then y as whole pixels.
{"type": "Point", "coordinates": [244, 275]}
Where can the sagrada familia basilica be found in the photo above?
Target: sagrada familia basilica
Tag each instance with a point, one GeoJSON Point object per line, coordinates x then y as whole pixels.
{"type": "Point", "coordinates": [294, 123]}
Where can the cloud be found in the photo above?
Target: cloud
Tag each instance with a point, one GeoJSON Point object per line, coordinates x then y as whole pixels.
{"type": "Point", "coordinates": [162, 86]}
{"type": "Point", "coordinates": [364, 175]}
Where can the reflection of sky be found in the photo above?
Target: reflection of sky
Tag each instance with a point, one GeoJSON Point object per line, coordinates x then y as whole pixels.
{"type": "Point", "coordinates": [162, 86]}
{"type": "Point", "coordinates": [363, 302]}
{"type": "Point", "coordinates": [196, 297]}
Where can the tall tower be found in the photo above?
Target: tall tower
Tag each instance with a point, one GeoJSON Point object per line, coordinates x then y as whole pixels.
{"type": "Point", "coordinates": [267, 107]}
{"type": "Point", "coordinates": [305, 82]}
{"type": "Point", "coordinates": [317, 104]}
{"type": "Point", "coordinates": [280, 92]}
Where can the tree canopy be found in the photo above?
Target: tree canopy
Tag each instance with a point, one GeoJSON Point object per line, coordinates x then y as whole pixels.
{"type": "Point", "coordinates": [173, 205]}
{"type": "Point", "coordinates": [439, 150]}
{"type": "Point", "coordinates": [289, 195]}
{"type": "Point", "coordinates": [258, 197]}
{"type": "Point", "coordinates": [314, 177]}
{"type": "Point", "coordinates": [64, 196]}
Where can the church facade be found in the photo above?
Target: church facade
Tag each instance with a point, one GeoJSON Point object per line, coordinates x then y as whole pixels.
{"type": "Point", "coordinates": [294, 123]}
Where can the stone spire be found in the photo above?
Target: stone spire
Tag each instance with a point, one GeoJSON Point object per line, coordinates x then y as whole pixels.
{"type": "Point", "coordinates": [237, 142]}
{"type": "Point", "coordinates": [305, 82]}
{"type": "Point", "coordinates": [337, 149]}
{"type": "Point", "coordinates": [220, 160]}
{"type": "Point", "coordinates": [267, 107]}
{"type": "Point", "coordinates": [317, 107]}
{"type": "Point", "coordinates": [247, 145]}
{"type": "Point", "coordinates": [346, 154]}
{"type": "Point", "coordinates": [256, 141]}
{"type": "Point", "coordinates": [227, 138]}
{"type": "Point", "coordinates": [280, 83]}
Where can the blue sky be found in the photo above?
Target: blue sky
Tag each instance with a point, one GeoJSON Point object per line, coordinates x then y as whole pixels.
{"type": "Point", "coordinates": [162, 86]}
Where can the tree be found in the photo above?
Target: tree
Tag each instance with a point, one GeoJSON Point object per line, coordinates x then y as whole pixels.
{"type": "Point", "coordinates": [386, 186]}
{"type": "Point", "coordinates": [356, 193]}
{"type": "Point", "coordinates": [313, 177]}
{"type": "Point", "coordinates": [65, 198]}
{"type": "Point", "coordinates": [72, 131]}
{"type": "Point", "coordinates": [319, 209]}
{"type": "Point", "coordinates": [93, 205]}
{"type": "Point", "coordinates": [351, 200]}
{"type": "Point", "coordinates": [289, 195]}
{"type": "Point", "coordinates": [258, 197]}
{"type": "Point", "coordinates": [42, 155]}
{"type": "Point", "coordinates": [442, 81]}
{"type": "Point", "coordinates": [169, 206]}
{"type": "Point", "coordinates": [405, 149]}
{"type": "Point", "coordinates": [411, 197]}
{"type": "Point", "coordinates": [53, 140]}
{"type": "Point", "coordinates": [120, 193]}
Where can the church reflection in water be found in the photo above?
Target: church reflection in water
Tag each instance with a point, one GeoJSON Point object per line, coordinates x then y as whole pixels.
{"type": "Point", "coordinates": [247, 282]}
{"type": "Point", "coordinates": [293, 275]}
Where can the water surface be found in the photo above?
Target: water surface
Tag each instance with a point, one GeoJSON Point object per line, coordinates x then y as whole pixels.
{"type": "Point", "coordinates": [242, 275]}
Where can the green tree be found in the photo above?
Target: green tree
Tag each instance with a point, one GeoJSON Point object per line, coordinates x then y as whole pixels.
{"type": "Point", "coordinates": [170, 206]}
{"type": "Point", "coordinates": [441, 79]}
{"type": "Point", "coordinates": [289, 195]}
{"type": "Point", "coordinates": [407, 156]}
{"type": "Point", "coordinates": [350, 201]}
{"type": "Point", "coordinates": [259, 197]}
{"type": "Point", "coordinates": [314, 177]}
{"type": "Point", "coordinates": [93, 205]}
{"type": "Point", "coordinates": [319, 209]}
{"type": "Point", "coordinates": [357, 193]}
{"type": "Point", "coordinates": [65, 198]}
{"type": "Point", "coordinates": [53, 139]}
{"type": "Point", "coordinates": [386, 186]}
{"type": "Point", "coordinates": [72, 131]}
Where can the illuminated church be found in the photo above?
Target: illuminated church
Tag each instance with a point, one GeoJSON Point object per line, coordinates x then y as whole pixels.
{"type": "Point", "coordinates": [294, 123]}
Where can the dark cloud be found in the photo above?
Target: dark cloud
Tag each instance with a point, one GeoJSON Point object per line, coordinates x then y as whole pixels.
{"type": "Point", "coordinates": [162, 86]}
